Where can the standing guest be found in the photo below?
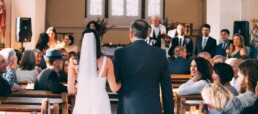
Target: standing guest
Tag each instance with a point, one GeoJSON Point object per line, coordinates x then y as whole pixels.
{"type": "Point", "coordinates": [48, 79]}
{"type": "Point", "coordinates": [248, 78]}
{"type": "Point", "coordinates": [205, 55]}
{"type": "Point", "coordinates": [216, 97]}
{"type": "Point", "coordinates": [5, 88]}
{"type": "Point", "coordinates": [93, 25]}
{"type": "Point", "coordinates": [69, 44]}
{"type": "Point", "coordinates": [27, 70]}
{"type": "Point", "coordinates": [142, 75]}
{"type": "Point", "coordinates": [205, 43]}
{"type": "Point", "coordinates": [221, 48]}
{"type": "Point", "coordinates": [42, 45]}
{"type": "Point", "coordinates": [223, 74]}
{"type": "Point", "coordinates": [181, 40]}
{"type": "Point", "coordinates": [51, 31]}
{"type": "Point", "coordinates": [11, 58]}
{"type": "Point", "coordinates": [180, 65]}
{"type": "Point", "coordinates": [157, 30]}
{"type": "Point", "coordinates": [238, 48]}
{"type": "Point", "coordinates": [201, 72]}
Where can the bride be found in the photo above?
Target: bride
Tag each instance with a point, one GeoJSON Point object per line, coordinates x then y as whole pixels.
{"type": "Point", "coordinates": [94, 71]}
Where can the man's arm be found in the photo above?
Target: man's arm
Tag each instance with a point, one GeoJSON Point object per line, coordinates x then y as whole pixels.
{"type": "Point", "coordinates": [167, 92]}
{"type": "Point", "coordinates": [54, 85]}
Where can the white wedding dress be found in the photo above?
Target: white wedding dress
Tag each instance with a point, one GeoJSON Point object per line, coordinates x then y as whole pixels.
{"type": "Point", "coordinates": [92, 97]}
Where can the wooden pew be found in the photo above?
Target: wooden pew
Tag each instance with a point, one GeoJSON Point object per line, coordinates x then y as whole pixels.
{"type": "Point", "coordinates": [45, 94]}
{"type": "Point", "coordinates": [181, 101]}
{"type": "Point", "coordinates": [178, 79]}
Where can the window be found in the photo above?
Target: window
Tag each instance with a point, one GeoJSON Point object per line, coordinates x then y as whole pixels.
{"type": "Point", "coordinates": [123, 12]}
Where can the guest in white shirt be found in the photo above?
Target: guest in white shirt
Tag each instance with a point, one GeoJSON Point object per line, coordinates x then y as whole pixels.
{"type": "Point", "coordinates": [201, 71]}
{"type": "Point", "coordinates": [27, 70]}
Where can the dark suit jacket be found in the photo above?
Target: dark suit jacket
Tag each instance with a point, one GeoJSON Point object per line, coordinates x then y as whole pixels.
{"type": "Point", "coordinates": [220, 50]}
{"type": "Point", "coordinates": [48, 80]}
{"type": "Point", "coordinates": [209, 47]}
{"type": "Point", "coordinates": [187, 43]}
{"type": "Point", "coordinates": [5, 88]}
{"type": "Point", "coordinates": [141, 68]}
{"type": "Point", "coordinates": [179, 66]}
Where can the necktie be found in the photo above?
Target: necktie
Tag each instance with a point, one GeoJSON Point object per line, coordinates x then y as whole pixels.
{"type": "Point", "coordinates": [224, 45]}
{"type": "Point", "coordinates": [204, 43]}
{"type": "Point", "coordinates": [180, 42]}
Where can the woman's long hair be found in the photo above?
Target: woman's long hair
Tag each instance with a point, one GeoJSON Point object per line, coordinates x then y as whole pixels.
{"type": "Point", "coordinates": [204, 67]}
{"type": "Point", "coordinates": [242, 41]}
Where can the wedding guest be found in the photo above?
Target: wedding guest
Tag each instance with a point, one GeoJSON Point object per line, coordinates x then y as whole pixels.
{"type": "Point", "coordinates": [27, 70]}
{"type": "Point", "coordinates": [5, 88]}
{"type": "Point", "coordinates": [48, 79]}
{"type": "Point", "coordinates": [69, 44]}
{"type": "Point", "coordinates": [11, 58]}
{"type": "Point", "coordinates": [51, 31]}
{"type": "Point", "coordinates": [38, 54]}
{"type": "Point", "coordinates": [93, 25]}
{"type": "Point", "coordinates": [254, 108]}
{"type": "Point", "coordinates": [238, 48]}
{"type": "Point", "coordinates": [218, 59]}
{"type": "Point", "coordinates": [234, 64]}
{"type": "Point", "coordinates": [42, 45]}
{"type": "Point", "coordinates": [221, 48]}
{"type": "Point", "coordinates": [181, 40]}
{"type": "Point", "coordinates": [248, 78]}
{"type": "Point", "coordinates": [205, 55]}
{"type": "Point", "coordinates": [216, 97]}
{"type": "Point", "coordinates": [223, 74]}
{"type": "Point", "coordinates": [201, 71]}
{"type": "Point", "coordinates": [180, 65]}
{"type": "Point", "coordinates": [19, 56]}
{"type": "Point", "coordinates": [205, 43]}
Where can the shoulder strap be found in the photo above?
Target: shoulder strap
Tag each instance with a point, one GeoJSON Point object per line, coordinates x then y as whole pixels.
{"type": "Point", "coordinates": [103, 66]}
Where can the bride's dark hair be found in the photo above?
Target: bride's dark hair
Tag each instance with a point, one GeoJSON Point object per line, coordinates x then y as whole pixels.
{"type": "Point", "coordinates": [97, 38]}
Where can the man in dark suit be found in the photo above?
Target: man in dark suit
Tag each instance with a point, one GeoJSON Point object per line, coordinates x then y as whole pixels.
{"type": "Point", "coordinates": [221, 48]}
{"type": "Point", "coordinates": [181, 40]}
{"type": "Point", "coordinates": [141, 68]}
{"type": "Point", "coordinates": [48, 79]}
{"type": "Point", "coordinates": [180, 65]}
{"type": "Point", "coordinates": [205, 42]}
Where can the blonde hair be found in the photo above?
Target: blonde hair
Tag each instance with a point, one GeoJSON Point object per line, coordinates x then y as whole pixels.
{"type": "Point", "coordinates": [221, 58]}
{"type": "Point", "coordinates": [217, 94]}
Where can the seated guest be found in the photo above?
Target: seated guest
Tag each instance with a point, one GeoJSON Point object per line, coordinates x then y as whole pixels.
{"type": "Point", "coordinates": [201, 71]}
{"type": "Point", "coordinates": [221, 48]}
{"type": "Point", "coordinates": [181, 40]}
{"type": "Point", "coordinates": [42, 45]}
{"type": "Point", "coordinates": [38, 54]}
{"type": "Point", "coordinates": [216, 97]}
{"type": "Point", "coordinates": [180, 65]}
{"type": "Point", "coordinates": [238, 48]}
{"type": "Point", "coordinates": [63, 72]}
{"type": "Point", "coordinates": [48, 79]}
{"type": "Point", "coordinates": [27, 70]}
{"type": "Point", "coordinates": [254, 108]}
{"type": "Point", "coordinates": [223, 74]}
{"type": "Point", "coordinates": [248, 78]}
{"type": "Point", "coordinates": [11, 58]}
{"type": "Point", "coordinates": [69, 44]}
{"type": "Point", "coordinates": [218, 59]}
{"type": "Point", "coordinates": [234, 64]}
{"type": "Point", "coordinates": [5, 88]}
{"type": "Point", "coordinates": [205, 55]}
{"type": "Point", "coordinates": [19, 56]}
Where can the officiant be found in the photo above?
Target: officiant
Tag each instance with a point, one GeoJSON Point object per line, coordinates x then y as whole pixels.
{"type": "Point", "coordinates": [158, 35]}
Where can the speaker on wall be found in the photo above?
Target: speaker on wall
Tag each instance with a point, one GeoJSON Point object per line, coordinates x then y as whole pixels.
{"type": "Point", "coordinates": [23, 29]}
{"type": "Point", "coordinates": [242, 27]}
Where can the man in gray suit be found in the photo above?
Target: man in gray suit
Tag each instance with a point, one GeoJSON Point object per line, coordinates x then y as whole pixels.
{"type": "Point", "coordinates": [141, 68]}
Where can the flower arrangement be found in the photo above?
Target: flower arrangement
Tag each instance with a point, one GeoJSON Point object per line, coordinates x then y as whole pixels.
{"type": "Point", "coordinates": [103, 26]}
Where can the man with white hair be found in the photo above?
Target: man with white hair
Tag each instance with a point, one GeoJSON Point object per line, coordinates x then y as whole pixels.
{"type": "Point", "coordinates": [5, 88]}
{"type": "Point", "coordinates": [158, 32]}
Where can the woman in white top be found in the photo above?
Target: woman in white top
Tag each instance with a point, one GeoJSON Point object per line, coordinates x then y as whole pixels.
{"type": "Point", "coordinates": [69, 44]}
{"type": "Point", "coordinates": [27, 70]}
{"type": "Point", "coordinates": [201, 72]}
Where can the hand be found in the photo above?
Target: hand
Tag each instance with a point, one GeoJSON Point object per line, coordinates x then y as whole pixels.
{"type": "Point", "coordinates": [227, 51]}
{"type": "Point", "coordinates": [196, 78]}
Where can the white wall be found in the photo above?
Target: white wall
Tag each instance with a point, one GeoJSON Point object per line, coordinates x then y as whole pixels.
{"type": "Point", "coordinates": [27, 8]}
